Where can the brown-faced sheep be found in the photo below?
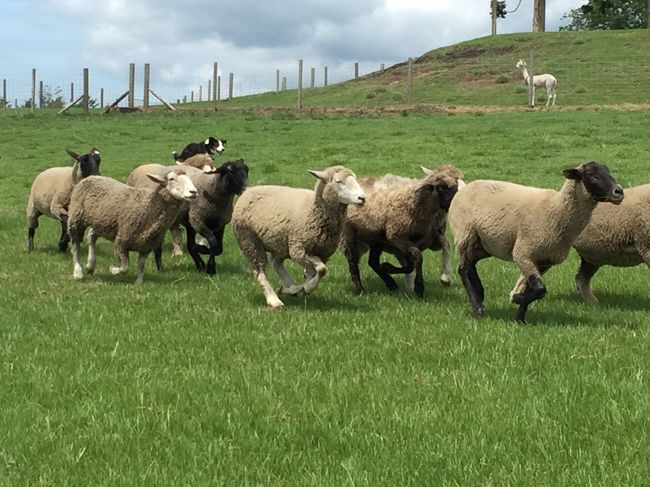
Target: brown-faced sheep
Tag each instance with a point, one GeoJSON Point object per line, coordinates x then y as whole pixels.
{"type": "Point", "coordinates": [533, 227]}
{"type": "Point", "coordinates": [51, 190]}
{"type": "Point", "coordinates": [403, 216]}
{"type": "Point", "coordinates": [132, 218]}
{"type": "Point", "coordinates": [298, 224]}
{"type": "Point", "coordinates": [616, 235]}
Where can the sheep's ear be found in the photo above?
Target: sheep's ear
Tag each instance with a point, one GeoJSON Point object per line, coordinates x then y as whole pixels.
{"type": "Point", "coordinates": [94, 150]}
{"type": "Point", "coordinates": [72, 154]}
{"type": "Point", "coordinates": [157, 179]}
{"type": "Point", "coordinates": [426, 187]}
{"type": "Point", "coordinates": [319, 175]}
{"type": "Point", "coordinates": [573, 174]}
{"type": "Point", "coordinates": [426, 171]}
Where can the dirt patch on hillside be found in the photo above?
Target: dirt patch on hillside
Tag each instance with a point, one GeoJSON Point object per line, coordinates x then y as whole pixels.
{"type": "Point", "coordinates": [431, 109]}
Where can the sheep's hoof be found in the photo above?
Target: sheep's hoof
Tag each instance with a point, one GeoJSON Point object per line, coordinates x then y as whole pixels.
{"type": "Point", "coordinates": [114, 270]}
{"type": "Point", "coordinates": [359, 291]}
{"type": "Point", "coordinates": [177, 253]}
{"type": "Point", "coordinates": [211, 270]}
{"type": "Point", "coordinates": [90, 270]}
{"type": "Point", "coordinates": [517, 298]}
{"type": "Point", "coordinates": [292, 290]}
{"type": "Point", "coordinates": [274, 303]}
{"type": "Point", "coordinates": [77, 277]}
{"type": "Point", "coordinates": [480, 310]}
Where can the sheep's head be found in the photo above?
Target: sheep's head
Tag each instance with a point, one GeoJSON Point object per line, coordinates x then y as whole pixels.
{"type": "Point", "coordinates": [86, 164]}
{"type": "Point", "coordinates": [236, 176]}
{"type": "Point", "coordinates": [177, 183]}
{"type": "Point", "coordinates": [447, 170]}
{"type": "Point", "coordinates": [598, 181]}
{"type": "Point", "coordinates": [343, 182]}
{"type": "Point", "coordinates": [440, 187]}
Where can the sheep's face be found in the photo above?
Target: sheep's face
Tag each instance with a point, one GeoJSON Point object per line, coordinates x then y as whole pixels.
{"type": "Point", "coordinates": [344, 184]}
{"type": "Point", "coordinates": [598, 182]}
{"type": "Point", "coordinates": [87, 164]}
{"type": "Point", "coordinates": [442, 188]}
{"type": "Point", "coordinates": [236, 174]}
{"type": "Point", "coordinates": [178, 184]}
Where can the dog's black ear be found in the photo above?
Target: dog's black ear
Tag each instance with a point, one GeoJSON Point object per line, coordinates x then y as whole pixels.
{"type": "Point", "coordinates": [573, 173]}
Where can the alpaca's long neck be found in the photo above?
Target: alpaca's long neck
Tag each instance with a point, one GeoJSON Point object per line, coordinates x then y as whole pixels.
{"type": "Point", "coordinates": [524, 73]}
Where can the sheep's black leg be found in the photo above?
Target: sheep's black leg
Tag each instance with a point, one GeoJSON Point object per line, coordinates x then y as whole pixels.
{"type": "Point", "coordinates": [583, 279]}
{"type": "Point", "coordinates": [473, 287]}
{"type": "Point", "coordinates": [30, 238]}
{"type": "Point", "coordinates": [191, 248]}
{"type": "Point", "coordinates": [351, 252]}
{"type": "Point", "coordinates": [218, 233]}
{"type": "Point", "coordinates": [534, 290]}
{"type": "Point", "coordinates": [65, 238]}
{"type": "Point", "coordinates": [373, 262]}
{"type": "Point", "coordinates": [157, 255]}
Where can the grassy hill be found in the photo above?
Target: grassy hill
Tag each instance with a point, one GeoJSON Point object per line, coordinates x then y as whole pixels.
{"type": "Point", "coordinates": [591, 68]}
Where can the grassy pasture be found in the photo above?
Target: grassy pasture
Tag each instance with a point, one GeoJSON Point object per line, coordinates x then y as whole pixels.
{"type": "Point", "coordinates": [189, 380]}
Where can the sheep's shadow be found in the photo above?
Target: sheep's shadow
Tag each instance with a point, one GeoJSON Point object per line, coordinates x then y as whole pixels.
{"type": "Point", "coordinates": [316, 302]}
{"type": "Point", "coordinates": [627, 301]}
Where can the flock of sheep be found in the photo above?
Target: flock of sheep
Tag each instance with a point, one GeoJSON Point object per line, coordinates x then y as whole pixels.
{"type": "Point", "coordinates": [534, 228]}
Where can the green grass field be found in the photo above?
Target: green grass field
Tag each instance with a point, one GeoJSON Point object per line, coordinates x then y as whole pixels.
{"type": "Point", "coordinates": [189, 380]}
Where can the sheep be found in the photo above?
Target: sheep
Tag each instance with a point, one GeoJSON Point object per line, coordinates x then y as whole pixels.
{"type": "Point", "coordinates": [532, 227]}
{"type": "Point", "coordinates": [404, 216]}
{"type": "Point", "coordinates": [616, 235]}
{"type": "Point", "coordinates": [51, 190]}
{"type": "Point", "coordinates": [209, 146]}
{"type": "Point", "coordinates": [132, 218]}
{"type": "Point", "coordinates": [292, 223]}
{"type": "Point", "coordinates": [208, 215]}
{"type": "Point", "coordinates": [547, 81]}
{"type": "Point", "coordinates": [200, 161]}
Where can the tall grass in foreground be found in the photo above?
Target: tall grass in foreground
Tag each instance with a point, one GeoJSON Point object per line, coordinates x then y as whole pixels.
{"type": "Point", "coordinates": [190, 380]}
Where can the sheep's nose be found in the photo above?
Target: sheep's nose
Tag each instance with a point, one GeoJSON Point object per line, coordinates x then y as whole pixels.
{"type": "Point", "coordinates": [362, 199]}
{"type": "Point", "coordinates": [617, 193]}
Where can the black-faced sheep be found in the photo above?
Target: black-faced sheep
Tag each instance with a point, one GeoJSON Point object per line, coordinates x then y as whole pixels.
{"type": "Point", "coordinates": [134, 219]}
{"type": "Point", "coordinates": [298, 224]}
{"type": "Point", "coordinates": [51, 190]}
{"type": "Point", "coordinates": [209, 146]}
{"type": "Point", "coordinates": [403, 216]}
{"type": "Point", "coordinates": [616, 235]}
{"type": "Point", "coordinates": [533, 227]}
{"type": "Point", "coordinates": [209, 214]}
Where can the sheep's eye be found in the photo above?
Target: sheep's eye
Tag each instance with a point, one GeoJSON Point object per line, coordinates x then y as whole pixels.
{"type": "Point", "coordinates": [338, 181]}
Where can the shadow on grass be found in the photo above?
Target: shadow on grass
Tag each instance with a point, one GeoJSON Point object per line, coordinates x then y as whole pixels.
{"type": "Point", "coordinates": [315, 302]}
{"type": "Point", "coordinates": [625, 301]}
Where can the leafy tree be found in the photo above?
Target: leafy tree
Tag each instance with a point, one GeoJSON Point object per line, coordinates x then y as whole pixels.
{"type": "Point", "coordinates": [501, 9]}
{"type": "Point", "coordinates": [608, 15]}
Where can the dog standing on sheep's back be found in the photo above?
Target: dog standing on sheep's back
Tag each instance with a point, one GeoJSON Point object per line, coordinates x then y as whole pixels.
{"type": "Point", "coordinates": [210, 146]}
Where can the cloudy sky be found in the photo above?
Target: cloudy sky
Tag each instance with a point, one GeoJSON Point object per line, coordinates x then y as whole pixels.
{"type": "Point", "coordinates": [251, 38]}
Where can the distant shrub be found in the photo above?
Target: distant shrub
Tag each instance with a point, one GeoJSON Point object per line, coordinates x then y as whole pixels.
{"type": "Point", "coordinates": [521, 89]}
{"type": "Point", "coordinates": [370, 95]}
{"type": "Point", "coordinates": [502, 79]}
{"type": "Point", "coordinates": [581, 90]}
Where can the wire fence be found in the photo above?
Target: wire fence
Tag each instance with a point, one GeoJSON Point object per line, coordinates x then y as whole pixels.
{"type": "Point", "coordinates": [463, 78]}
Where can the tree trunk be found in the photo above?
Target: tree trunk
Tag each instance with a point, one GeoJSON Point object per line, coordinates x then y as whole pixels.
{"type": "Point", "coordinates": [539, 16]}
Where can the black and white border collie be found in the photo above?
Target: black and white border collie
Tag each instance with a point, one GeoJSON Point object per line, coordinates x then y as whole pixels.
{"type": "Point", "coordinates": [209, 146]}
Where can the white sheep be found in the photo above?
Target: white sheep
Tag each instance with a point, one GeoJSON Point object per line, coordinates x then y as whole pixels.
{"type": "Point", "coordinates": [298, 224]}
{"type": "Point", "coordinates": [616, 235]}
{"type": "Point", "coordinates": [533, 227]}
{"type": "Point", "coordinates": [546, 81]}
{"type": "Point", "coordinates": [403, 216]}
{"type": "Point", "coordinates": [51, 190]}
{"type": "Point", "coordinates": [132, 218]}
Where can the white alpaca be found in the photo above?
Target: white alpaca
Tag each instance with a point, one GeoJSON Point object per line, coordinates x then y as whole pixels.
{"type": "Point", "coordinates": [547, 81]}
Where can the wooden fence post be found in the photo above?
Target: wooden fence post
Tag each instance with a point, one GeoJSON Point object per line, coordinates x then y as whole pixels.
{"type": "Point", "coordinates": [356, 70]}
{"type": "Point", "coordinates": [313, 78]}
{"type": "Point", "coordinates": [209, 90]}
{"type": "Point", "coordinates": [33, 89]}
{"type": "Point", "coordinates": [381, 67]}
{"type": "Point", "coordinates": [231, 83]}
{"type": "Point", "coordinates": [40, 94]}
{"type": "Point", "coordinates": [300, 83]}
{"type": "Point", "coordinates": [101, 98]}
{"type": "Point", "coordinates": [86, 98]}
{"type": "Point", "coordinates": [284, 83]}
{"type": "Point", "coordinates": [4, 93]}
{"type": "Point", "coordinates": [218, 88]}
{"type": "Point", "coordinates": [200, 92]}
{"type": "Point", "coordinates": [192, 96]}
{"type": "Point", "coordinates": [325, 76]}
{"type": "Point", "coordinates": [131, 98]}
{"type": "Point", "coordinates": [147, 83]}
{"type": "Point", "coordinates": [409, 90]}
{"type": "Point", "coordinates": [277, 81]}
{"type": "Point", "coordinates": [215, 75]}
{"type": "Point", "coordinates": [71, 92]}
